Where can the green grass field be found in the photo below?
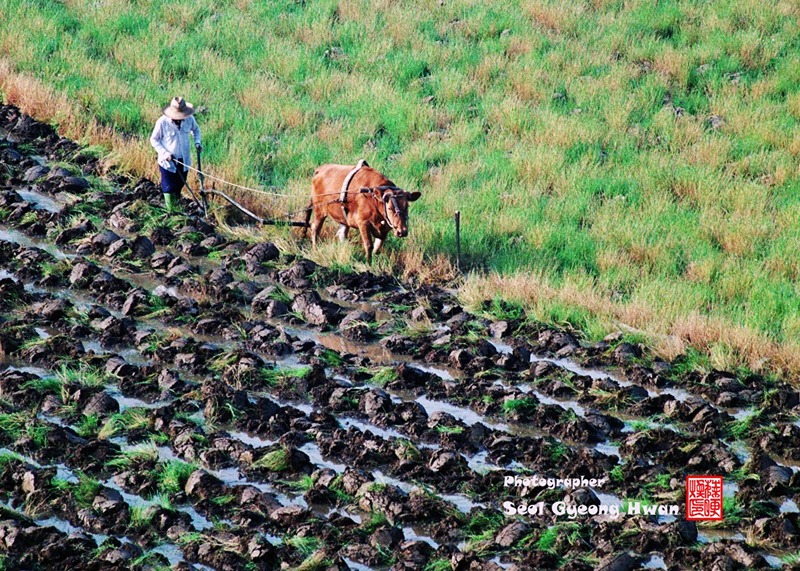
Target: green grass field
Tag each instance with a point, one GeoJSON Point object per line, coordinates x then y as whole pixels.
{"type": "Point", "coordinates": [614, 161]}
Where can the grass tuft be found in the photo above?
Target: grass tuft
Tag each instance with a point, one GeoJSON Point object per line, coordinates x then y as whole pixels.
{"type": "Point", "coordinates": [274, 461]}
{"type": "Point", "coordinates": [172, 475]}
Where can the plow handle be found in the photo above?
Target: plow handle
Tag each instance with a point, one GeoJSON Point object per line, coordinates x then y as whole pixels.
{"type": "Point", "coordinates": [201, 178]}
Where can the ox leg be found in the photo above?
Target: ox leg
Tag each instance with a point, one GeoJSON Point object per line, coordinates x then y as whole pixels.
{"type": "Point", "coordinates": [380, 238]}
{"type": "Point", "coordinates": [366, 241]}
{"type": "Point", "coordinates": [309, 213]}
{"type": "Point", "coordinates": [316, 226]}
{"type": "Point", "coordinates": [341, 233]}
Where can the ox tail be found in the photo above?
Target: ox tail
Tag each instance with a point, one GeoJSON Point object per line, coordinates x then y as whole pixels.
{"type": "Point", "coordinates": [309, 212]}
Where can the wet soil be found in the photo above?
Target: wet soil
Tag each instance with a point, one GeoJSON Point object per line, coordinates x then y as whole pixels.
{"type": "Point", "coordinates": [171, 397]}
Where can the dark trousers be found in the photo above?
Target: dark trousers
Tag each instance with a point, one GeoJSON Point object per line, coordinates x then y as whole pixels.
{"type": "Point", "coordinates": [172, 181]}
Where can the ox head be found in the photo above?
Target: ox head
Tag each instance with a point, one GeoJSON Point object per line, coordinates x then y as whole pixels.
{"type": "Point", "coordinates": [395, 208]}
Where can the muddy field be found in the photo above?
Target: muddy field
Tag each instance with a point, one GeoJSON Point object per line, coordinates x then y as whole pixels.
{"type": "Point", "coordinates": [169, 398]}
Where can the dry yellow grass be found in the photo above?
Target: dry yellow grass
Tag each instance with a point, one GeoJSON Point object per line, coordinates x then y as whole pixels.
{"type": "Point", "coordinates": [126, 153]}
{"type": "Point", "coordinates": [728, 343]}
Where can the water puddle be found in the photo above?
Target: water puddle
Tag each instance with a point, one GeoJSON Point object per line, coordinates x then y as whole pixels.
{"type": "Point", "coordinates": [38, 371]}
{"type": "Point", "coordinates": [9, 235]}
{"type": "Point", "coordinates": [465, 415]}
{"type": "Point", "coordinates": [500, 564]}
{"type": "Point", "coordinates": [54, 420]}
{"type": "Point", "coordinates": [40, 201]}
{"type": "Point", "coordinates": [743, 413]}
{"type": "Point", "coordinates": [713, 535]}
{"type": "Point", "coordinates": [501, 347]}
{"type": "Point", "coordinates": [20, 457]}
{"type": "Point", "coordinates": [385, 433]}
{"type": "Point", "coordinates": [254, 441]}
{"type": "Point", "coordinates": [315, 455]}
{"type": "Point", "coordinates": [739, 449]}
{"type": "Point", "coordinates": [463, 503]}
{"type": "Point", "coordinates": [42, 333]}
{"type": "Point", "coordinates": [232, 477]}
{"type": "Point", "coordinates": [680, 395]}
{"type": "Point", "coordinates": [171, 552]}
{"type": "Point", "coordinates": [168, 291]}
{"type": "Point", "coordinates": [546, 399]}
{"type": "Point", "coordinates": [131, 355]}
{"type": "Point", "coordinates": [411, 535]}
{"type": "Point", "coordinates": [608, 449]}
{"type": "Point", "coordinates": [95, 347]}
{"type": "Point", "coordinates": [344, 513]}
{"type": "Point", "coordinates": [305, 408]}
{"type": "Point", "coordinates": [67, 528]}
{"type": "Point", "coordinates": [199, 521]}
{"type": "Point", "coordinates": [443, 374]}
{"type": "Point", "coordinates": [356, 566]}
{"type": "Point", "coordinates": [596, 374]}
{"type": "Point", "coordinates": [573, 367]}
{"type": "Point", "coordinates": [376, 354]}
{"type": "Point", "coordinates": [479, 463]}
{"type": "Point", "coordinates": [132, 402]}
{"type": "Point", "coordinates": [63, 472]}
{"type": "Point", "coordinates": [134, 357]}
{"type": "Point", "coordinates": [61, 525]}
{"type": "Point", "coordinates": [608, 499]}
{"type": "Point", "coordinates": [132, 500]}
{"type": "Point", "coordinates": [655, 562]}
{"type": "Point", "coordinates": [773, 561]}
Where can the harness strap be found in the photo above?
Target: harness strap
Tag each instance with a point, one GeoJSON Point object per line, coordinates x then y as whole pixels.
{"type": "Point", "coordinates": [386, 209]}
{"type": "Point", "coordinates": [343, 196]}
{"type": "Point", "coordinates": [385, 203]}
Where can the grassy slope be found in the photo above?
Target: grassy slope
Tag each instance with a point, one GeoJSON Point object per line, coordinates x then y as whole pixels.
{"type": "Point", "coordinates": [552, 125]}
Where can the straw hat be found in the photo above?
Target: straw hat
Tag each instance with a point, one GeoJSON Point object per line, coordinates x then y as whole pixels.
{"type": "Point", "coordinates": [178, 109]}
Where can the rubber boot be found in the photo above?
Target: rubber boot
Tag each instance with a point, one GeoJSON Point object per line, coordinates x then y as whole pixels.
{"type": "Point", "coordinates": [171, 201]}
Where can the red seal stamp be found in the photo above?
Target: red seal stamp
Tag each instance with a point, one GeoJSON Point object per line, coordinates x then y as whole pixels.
{"type": "Point", "coordinates": [704, 498]}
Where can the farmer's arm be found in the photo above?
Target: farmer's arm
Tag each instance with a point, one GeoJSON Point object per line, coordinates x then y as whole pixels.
{"type": "Point", "coordinates": [196, 132]}
{"type": "Point", "coordinates": [155, 139]}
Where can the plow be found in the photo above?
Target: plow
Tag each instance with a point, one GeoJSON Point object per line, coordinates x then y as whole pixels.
{"type": "Point", "coordinates": [201, 201]}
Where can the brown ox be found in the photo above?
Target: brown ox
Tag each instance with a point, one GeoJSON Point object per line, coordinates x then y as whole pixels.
{"type": "Point", "coordinates": [372, 203]}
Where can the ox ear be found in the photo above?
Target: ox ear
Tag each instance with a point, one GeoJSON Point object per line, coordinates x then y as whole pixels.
{"type": "Point", "coordinates": [412, 196]}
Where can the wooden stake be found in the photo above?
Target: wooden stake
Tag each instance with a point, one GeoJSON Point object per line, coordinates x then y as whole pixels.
{"type": "Point", "coordinates": [458, 239]}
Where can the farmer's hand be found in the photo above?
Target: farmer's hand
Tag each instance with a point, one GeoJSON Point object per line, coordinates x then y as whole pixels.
{"type": "Point", "coordinates": [199, 148]}
{"type": "Point", "coordinates": [170, 158]}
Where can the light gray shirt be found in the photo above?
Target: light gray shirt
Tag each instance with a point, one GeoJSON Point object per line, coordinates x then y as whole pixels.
{"type": "Point", "coordinates": [167, 140]}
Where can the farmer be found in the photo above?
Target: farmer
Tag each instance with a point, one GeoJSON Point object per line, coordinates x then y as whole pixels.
{"type": "Point", "coordinates": [170, 139]}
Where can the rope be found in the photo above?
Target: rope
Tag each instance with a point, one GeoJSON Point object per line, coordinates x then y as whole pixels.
{"type": "Point", "coordinates": [307, 208]}
{"type": "Point", "coordinates": [223, 181]}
